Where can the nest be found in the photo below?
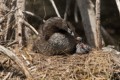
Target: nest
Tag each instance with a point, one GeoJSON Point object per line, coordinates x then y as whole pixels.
{"type": "Point", "coordinates": [97, 65]}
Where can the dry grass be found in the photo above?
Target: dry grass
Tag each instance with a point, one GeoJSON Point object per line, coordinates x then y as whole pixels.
{"type": "Point", "coordinates": [97, 65]}
{"type": "Point", "coordinates": [94, 66]}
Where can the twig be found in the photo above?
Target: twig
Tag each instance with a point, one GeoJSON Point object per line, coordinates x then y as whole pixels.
{"type": "Point", "coordinates": [55, 8]}
{"type": "Point", "coordinates": [12, 55]}
{"type": "Point", "coordinates": [2, 73]}
{"type": "Point", "coordinates": [33, 68]}
{"type": "Point", "coordinates": [10, 20]}
{"type": "Point", "coordinates": [10, 75]}
{"type": "Point", "coordinates": [12, 11]}
{"type": "Point", "coordinates": [12, 43]}
{"type": "Point", "coordinates": [2, 20]}
{"type": "Point", "coordinates": [4, 7]}
{"type": "Point", "coordinates": [7, 76]}
{"type": "Point", "coordinates": [98, 25]}
{"type": "Point", "coordinates": [44, 10]}
{"type": "Point", "coordinates": [29, 56]}
{"type": "Point", "coordinates": [118, 5]}
{"type": "Point", "coordinates": [107, 37]}
{"type": "Point", "coordinates": [76, 13]}
{"type": "Point", "coordinates": [32, 14]}
{"type": "Point", "coordinates": [19, 28]}
{"type": "Point", "coordinates": [4, 17]}
{"type": "Point", "coordinates": [67, 8]}
{"type": "Point", "coordinates": [28, 63]}
{"type": "Point", "coordinates": [30, 26]}
{"type": "Point", "coordinates": [4, 61]}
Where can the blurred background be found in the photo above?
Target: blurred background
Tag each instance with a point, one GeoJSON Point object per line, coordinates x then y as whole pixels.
{"type": "Point", "coordinates": [110, 17]}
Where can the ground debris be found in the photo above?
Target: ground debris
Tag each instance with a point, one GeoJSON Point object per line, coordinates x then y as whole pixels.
{"type": "Point", "coordinates": [97, 65]}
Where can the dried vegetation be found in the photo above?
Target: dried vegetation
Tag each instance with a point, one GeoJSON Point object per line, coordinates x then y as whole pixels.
{"type": "Point", "coordinates": [97, 65]}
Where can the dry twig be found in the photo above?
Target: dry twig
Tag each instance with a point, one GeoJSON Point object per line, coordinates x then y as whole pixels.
{"type": "Point", "coordinates": [11, 55]}
{"type": "Point", "coordinates": [55, 8]}
{"type": "Point", "coordinates": [32, 14]}
{"type": "Point", "coordinates": [30, 26]}
{"type": "Point", "coordinates": [7, 76]}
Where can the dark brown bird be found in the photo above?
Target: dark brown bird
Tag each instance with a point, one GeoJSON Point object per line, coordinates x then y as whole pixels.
{"type": "Point", "coordinates": [56, 37]}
